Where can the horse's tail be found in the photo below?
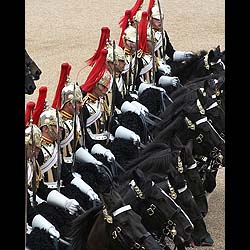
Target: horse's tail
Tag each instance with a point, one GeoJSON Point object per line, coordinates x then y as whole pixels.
{"type": "Point", "coordinates": [81, 227]}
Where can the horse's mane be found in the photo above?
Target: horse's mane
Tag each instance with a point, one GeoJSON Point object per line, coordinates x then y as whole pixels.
{"type": "Point", "coordinates": [183, 96]}
{"type": "Point", "coordinates": [39, 239]}
{"type": "Point", "coordinates": [171, 113]}
{"type": "Point", "coordinates": [112, 200]}
{"type": "Point", "coordinates": [133, 122]}
{"type": "Point", "coordinates": [153, 161]}
{"type": "Point", "coordinates": [151, 98]}
{"type": "Point", "coordinates": [186, 70]}
{"type": "Point", "coordinates": [81, 227]}
{"type": "Point", "coordinates": [164, 133]}
{"type": "Point", "coordinates": [123, 150]}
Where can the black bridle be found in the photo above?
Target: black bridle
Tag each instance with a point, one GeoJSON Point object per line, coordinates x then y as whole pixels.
{"type": "Point", "coordinates": [119, 234]}
{"type": "Point", "coordinates": [167, 226]}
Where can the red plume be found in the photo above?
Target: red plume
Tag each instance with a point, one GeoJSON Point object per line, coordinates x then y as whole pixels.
{"type": "Point", "coordinates": [65, 70]}
{"type": "Point", "coordinates": [40, 104]}
{"type": "Point", "coordinates": [136, 7]}
{"type": "Point", "coordinates": [105, 35]}
{"type": "Point", "coordinates": [29, 110]}
{"type": "Point", "coordinates": [124, 24]}
{"type": "Point", "coordinates": [96, 72]}
{"type": "Point", "coordinates": [150, 5]}
{"type": "Point", "coordinates": [142, 32]}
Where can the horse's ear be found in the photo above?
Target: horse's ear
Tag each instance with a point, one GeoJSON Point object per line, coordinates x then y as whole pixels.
{"type": "Point", "coordinates": [190, 145]}
{"type": "Point", "coordinates": [211, 55]}
{"type": "Point", "coordinates": [200, 95]}
{"type": "Point", "coordinates": [187, 109]}
{"type": "Point", "coordinates": [206, 85]}
{"type": "Point", "coordinates": [139, 176]}
{"type": "Point", "coordinates": [176, 142]}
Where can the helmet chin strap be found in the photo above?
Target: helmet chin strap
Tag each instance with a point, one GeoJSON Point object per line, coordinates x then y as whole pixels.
{"type": "Point", "coordinates": [52, 133]}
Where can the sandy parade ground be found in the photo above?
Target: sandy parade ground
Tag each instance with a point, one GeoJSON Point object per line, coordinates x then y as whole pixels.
{"type": "Point", "coordinates": [69, 31]}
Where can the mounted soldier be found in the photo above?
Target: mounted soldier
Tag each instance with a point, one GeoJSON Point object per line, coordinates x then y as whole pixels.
{"type": "Point", "coordinates": [96, 110]}
{"type": "Point", "coordinates": [55, 174]}
{"type": "Point", "coordinates": [33, 218]}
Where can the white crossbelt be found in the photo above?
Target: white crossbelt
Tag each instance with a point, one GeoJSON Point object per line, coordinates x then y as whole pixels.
{"type": "Point", "coordinates": [50, 162]}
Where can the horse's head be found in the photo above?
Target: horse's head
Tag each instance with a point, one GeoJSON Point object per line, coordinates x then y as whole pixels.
{"type": "Point", "coordinates": [216, 60]}
{"type": "Point", "coordinates": [32, 73]}
{"type": "Point", "coordinates": [124, 226]}
{"type": "Point", "coordinates": [192, 177]}
{"type": "Point", "coordinates": [213, 109]}
{"type": "Point", "coordinates": [34, 69]}
{"type": "Point", "coordinates": [160, 214]}
{"type": "Point", "coordinates": [206, 137]}
{"type": "Point", "coordinates": [29, 82]}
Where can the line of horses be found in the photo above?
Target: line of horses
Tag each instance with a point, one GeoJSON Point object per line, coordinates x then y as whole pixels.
{"type": "Point", "coordinates": [159, 195]}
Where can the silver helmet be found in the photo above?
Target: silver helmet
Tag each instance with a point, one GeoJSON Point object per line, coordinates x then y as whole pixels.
{"type": "Point", "coordinates": [49, 118]}
{"type": "Point", "coordinates": [33, 136]}
{"type": "Point", "coordinates": [67, 94]}
{"type": "Point", "coordinates": [119, 54]}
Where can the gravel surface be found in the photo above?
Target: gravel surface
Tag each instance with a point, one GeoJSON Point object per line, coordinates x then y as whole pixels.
{"type": "Point", "coordinates": [68, 31]}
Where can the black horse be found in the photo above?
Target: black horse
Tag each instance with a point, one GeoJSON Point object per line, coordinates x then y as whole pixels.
{"type": "Point", "coordinates": [32, 73]}
{"type": "Point", "coordinates": [112, 226]}
{"type": "Point", "coordinates": [201, 64]}
{"type": "Point", "coordinates": [160, 214]}
{"type": "Point", "coordinates": [160, 163]}
{"type": "Point", "coordinates": [206, 99]}
{"type": "Point", "coordinates": [189, 122]}
{"type": "Point", "coordinates": [187, 118]}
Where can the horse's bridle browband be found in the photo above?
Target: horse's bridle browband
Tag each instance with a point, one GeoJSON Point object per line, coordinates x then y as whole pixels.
{"type": "Point", "coordinates": [124, 240]}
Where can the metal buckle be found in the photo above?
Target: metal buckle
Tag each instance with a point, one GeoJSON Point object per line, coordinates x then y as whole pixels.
{"type": "Point", "coordinates": [137, 245]}
{"type": "Point", "coordinates": [199, 138]}
{"type": "Point", "coordinates": [151, 209]}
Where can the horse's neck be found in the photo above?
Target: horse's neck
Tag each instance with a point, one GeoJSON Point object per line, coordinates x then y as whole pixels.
{"type": "Point", "coordinates": [97, 235]}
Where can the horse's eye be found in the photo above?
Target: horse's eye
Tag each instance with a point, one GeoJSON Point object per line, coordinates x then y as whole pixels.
{"type": "Point", "coordinates": [124, 223]}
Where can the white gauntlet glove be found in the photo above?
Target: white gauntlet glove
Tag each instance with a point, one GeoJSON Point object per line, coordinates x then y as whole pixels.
{"type": "Point", "coordinates": [92, 195]}
{"type": "Point", "coordinates": [144, 86]}
{"type": "Point", "coordinates": [165, 81]}
{"type": "Point", "coordinates": [82, 155]}
{"type": "Point", "coordinates": [165, 69]}
{"type": "Point", "coordinates": [54, 233]}
{"type": "Point", "coordinates": [141, 107]}
{"type": "Point", "coordinates": [72, 206]}
{"type": "Point", "coordinates": [127, 106]}
{"type": "Point", "coordinates": [85, 188]}
{"type": "Point", "coordinates": [122, 132]}
{"type": "Point", "coordinates": [99, 149]}
{"type": "Point", "coordinates": [40, 222]}
{"type": "Point", "coordinates": [57, 199]}
{"type": "Point", "coordinates": [182, 56]}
